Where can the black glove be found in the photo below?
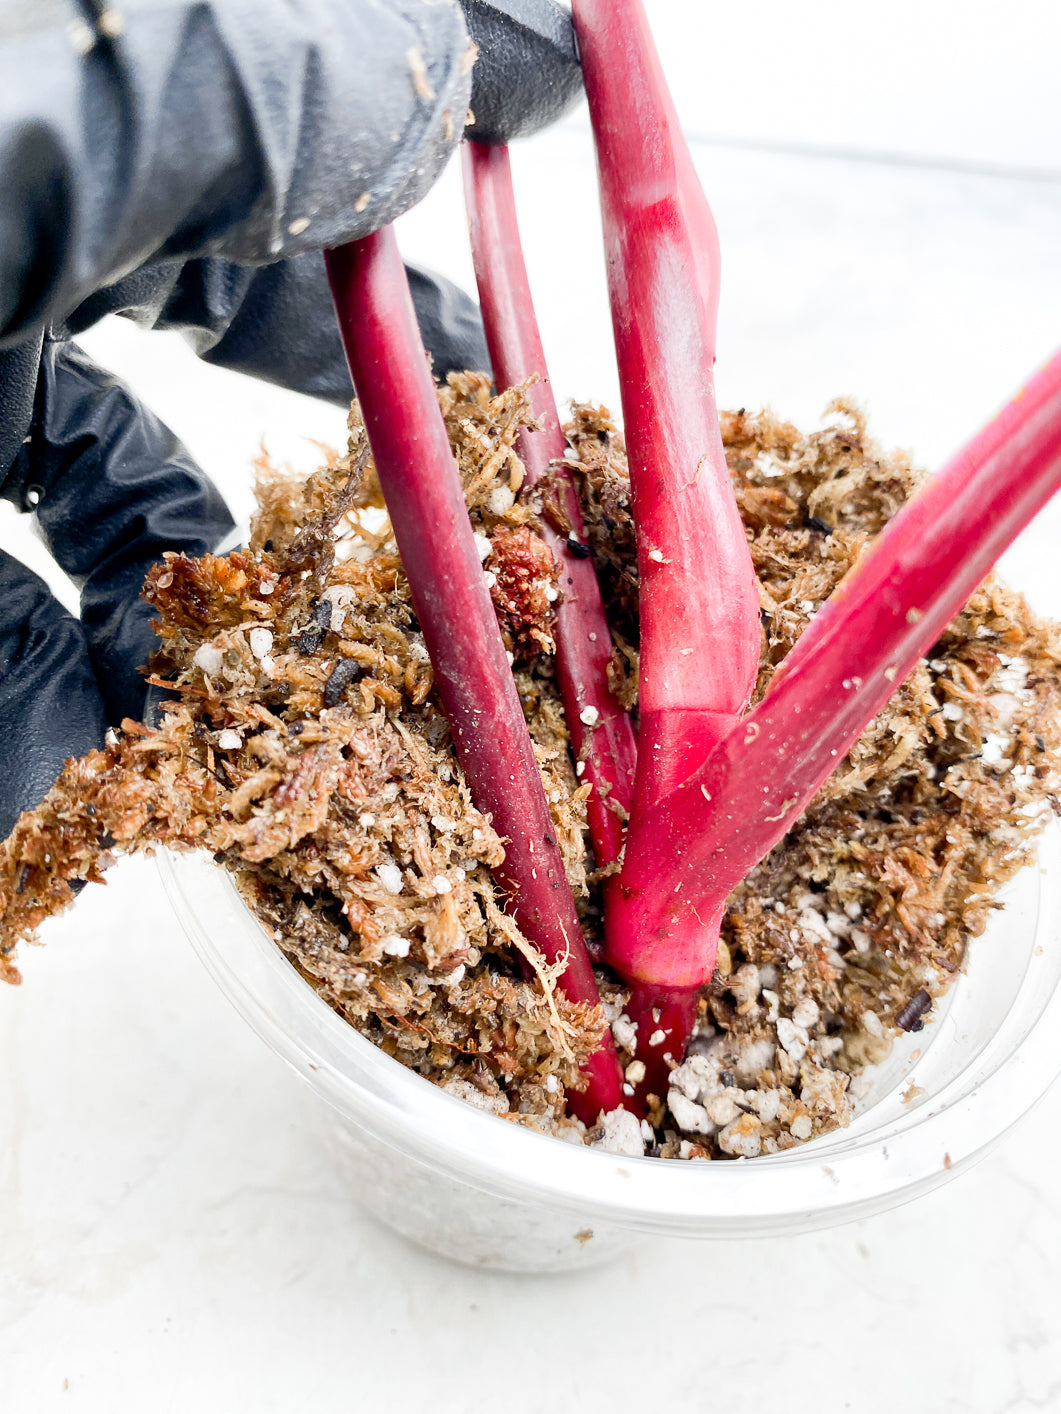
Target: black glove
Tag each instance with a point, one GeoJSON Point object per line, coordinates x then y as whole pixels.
{"type": "Point", "coordinates": [112, 488]}
{"type": "Point", "coordinates": [184, 163]}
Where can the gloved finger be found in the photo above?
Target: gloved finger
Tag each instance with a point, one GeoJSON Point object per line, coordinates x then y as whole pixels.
{"type": "Point", "coordinates": [18, 380]}
{"type": "Point", "coordinates": [278, 322]}
{"type": "Point", "coordinates": [50, 704]}
{"type": "Point", "coordinates": [244, 128]}
{"type": "Point", "coordinates": [527, 74]}
{"type": "Point", "coordinates": [112, 488]}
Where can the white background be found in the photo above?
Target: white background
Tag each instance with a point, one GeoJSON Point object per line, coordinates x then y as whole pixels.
{"type": "Point", "coordinates": [887, 183]}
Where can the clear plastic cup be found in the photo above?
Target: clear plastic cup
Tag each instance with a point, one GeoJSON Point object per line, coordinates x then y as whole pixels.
{"type": "Point", "coordinates": [488, 1192]}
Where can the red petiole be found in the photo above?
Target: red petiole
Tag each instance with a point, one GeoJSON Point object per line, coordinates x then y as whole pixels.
{"type": "Point", "coordinates": [602, 735]}
{"type": "Point", "coordinates": [694, 847]}
{"type": "Point", "coordinates": [699, 603]}
{"type": "Point", "coordinates": [422, 488]}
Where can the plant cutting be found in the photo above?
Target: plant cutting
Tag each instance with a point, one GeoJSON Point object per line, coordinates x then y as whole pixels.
{"type": "Point", "coordinates": [698, 601]}
{"type": "Point", "coordinates": [420, 482]}
{"type": "Point", "coordinates": [699, 604]}
{"type": "Point", "coordinates": [306, 750]}
{"type": "Point", "coordinates": [706, 835]}
{"type": "Point", "coordinates": [602, 735]}
{"type": "Point", "coordinates": [700, 819]}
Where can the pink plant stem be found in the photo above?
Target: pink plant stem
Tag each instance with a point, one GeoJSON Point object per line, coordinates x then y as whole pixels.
{"type": "Point", "coordinates": [424, 499]}
{"type": "Point", "coordinates": [583, 638]}
{"type": "Point", "coordinates": [700, 630]}
{"type": "Point", "coordinates": [699, 602]}
{"type": "Point", "coordinates": [692, 850]}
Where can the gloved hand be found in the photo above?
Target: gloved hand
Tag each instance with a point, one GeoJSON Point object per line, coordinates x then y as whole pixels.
{"type": "Point", "coordinates": [184, 163]}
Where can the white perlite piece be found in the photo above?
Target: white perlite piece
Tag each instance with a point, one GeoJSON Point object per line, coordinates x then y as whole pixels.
{"type": "Point", "coordinates": [208, 659]}
{"type": "Point", "coordinates": [339, 596]}
{"type": "Point", "coordinates": [805, 1013]}
{"type": "Point", "coordinates": [390, 876]}
{"type": "Point", "coordinates": [802, 1127]}
{"type": "Point", "coordinates": [590, 716]}
{"type": "Point", "coordinates": [441, 884]}
{"type": "Point", "coordinates": [813, 923]}
{"type": "Point", "coordinates": [395, 946]}
{"type": "Point", "coordinates": [722, 1108]}
{"type": "Point", "coordinates": [695, 1078]}
{"type": "Point", "coordinates": [995, 748]}
{"type": "Point", "coordinates": [482, 544]}
{"type": "Point", "coordinates": [689, 1116]}
{"type": "Point", "coordinates": [871, 1023]}
{"type": "Point", "coordinates": [261, 641]}
{"type": "Point", "coordinates": [625, 1033]}
{"type": "Point", "coordinates": [622, 1134]}
{"type": "Point", "coordinates": [745, 985]}
{"type": "Point", "coordinates": [792, 1037]}
{"type": "Point", "coordinates": [742, 1138]}
{"type": "Point", "coordinates": [767, 1104]}
{"type": "Point", "coordinates": [229, 740]}
{"type": "Point", "coordinates": [500, 500]}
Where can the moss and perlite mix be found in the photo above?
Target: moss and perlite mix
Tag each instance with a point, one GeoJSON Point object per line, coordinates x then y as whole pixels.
{"type": "Point", "coordinates": [304, 747]}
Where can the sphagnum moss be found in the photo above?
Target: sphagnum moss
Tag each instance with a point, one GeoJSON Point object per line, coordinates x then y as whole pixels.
{"type": "Point", "coordinates": [305, 749]}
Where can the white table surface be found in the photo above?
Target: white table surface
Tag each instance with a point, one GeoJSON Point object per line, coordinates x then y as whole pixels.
{"type": "Point", "coordinates": [172, 1236]}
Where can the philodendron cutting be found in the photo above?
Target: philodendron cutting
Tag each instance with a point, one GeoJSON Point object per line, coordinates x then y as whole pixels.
{"type": "Point", "coordinates": [715, 787]}
{"type": "Point", "coordinates": [637, 788]}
